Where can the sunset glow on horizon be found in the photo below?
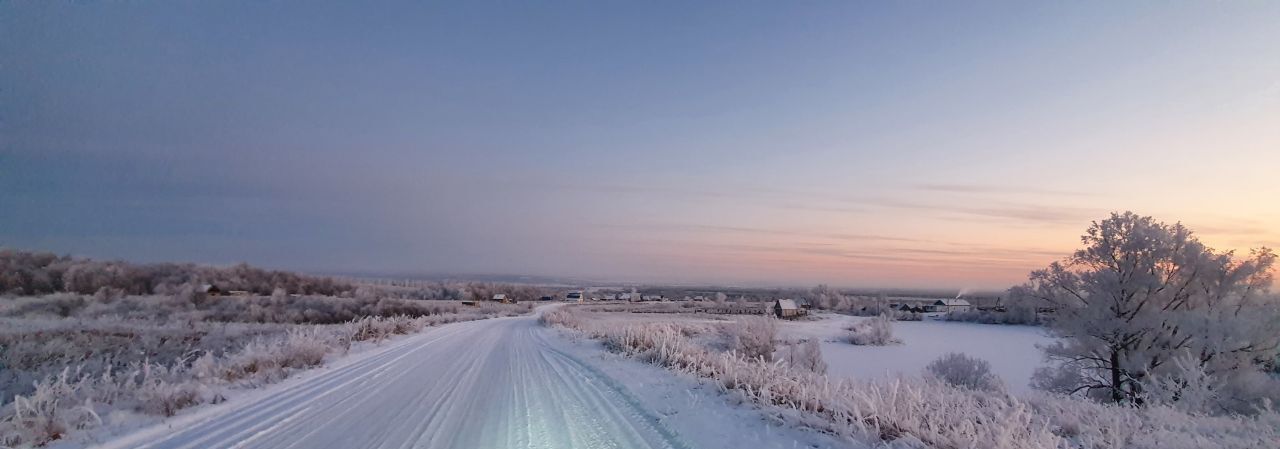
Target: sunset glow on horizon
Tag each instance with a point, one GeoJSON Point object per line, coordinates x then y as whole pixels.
{"type": "Point", "coordinates": [783, 145]}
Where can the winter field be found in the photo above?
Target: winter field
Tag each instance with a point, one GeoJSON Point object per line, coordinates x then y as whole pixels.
{"type": "Point", "coordinates": [1011, 350]}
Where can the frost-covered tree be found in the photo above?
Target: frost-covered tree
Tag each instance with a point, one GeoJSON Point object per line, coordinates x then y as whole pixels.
{"type": "Point", "coordinates": [962, 371]}
{"type": "Point", "coordinates": [33, 273]}
{"type": "Point", "coordinates": [1142, 293]}
{"type": "Point", "coordinates": [279, 296]}
{"type": "Point", "coordinates": [826, 298]}
{"type": "Point", "coordinates": [874, 331]}
{"type": "Point", "coordinates": [753, 337]}
{"type": "Point", "coordinates": [807, 356]}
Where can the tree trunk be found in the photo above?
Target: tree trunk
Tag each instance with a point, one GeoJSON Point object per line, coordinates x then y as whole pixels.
{"type": "Point", "coordinates": [1117, 394]}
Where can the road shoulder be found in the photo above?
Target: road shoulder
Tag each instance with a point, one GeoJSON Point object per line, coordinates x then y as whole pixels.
{"type": "Point", "coordinates": [696, 409]}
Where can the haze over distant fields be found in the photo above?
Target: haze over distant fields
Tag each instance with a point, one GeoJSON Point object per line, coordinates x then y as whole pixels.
{"type": "Point", "coordinates": [860, 144]}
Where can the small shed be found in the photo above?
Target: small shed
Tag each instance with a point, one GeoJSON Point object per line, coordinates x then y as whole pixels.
{"type": "Point", "coordinates": [910, 308]}
{"type": "Point", "coordinates": [211, 290]}
{"type": "Point", "coordinates": [787, 308]}
{"type": "Point", "coordinates": [502, 298]}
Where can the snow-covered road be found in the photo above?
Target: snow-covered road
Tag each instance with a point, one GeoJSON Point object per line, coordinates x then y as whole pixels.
{"type": "Point", "coordinates": [499, 383]}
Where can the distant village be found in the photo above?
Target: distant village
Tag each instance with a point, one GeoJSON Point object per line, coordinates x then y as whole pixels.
{"type": "Point", "coordinates": [784, 303]}
{"type": "Point", "coordinates": [785, 308]}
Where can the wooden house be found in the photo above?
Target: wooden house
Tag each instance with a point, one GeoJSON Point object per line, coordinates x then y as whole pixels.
{"type": "Point", "coordinates": [787, 309]}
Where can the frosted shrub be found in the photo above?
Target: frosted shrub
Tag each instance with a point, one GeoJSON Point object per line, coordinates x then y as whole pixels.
{"type": "Point", "coordinates": [962, 371]}
{"type": "Point", "coordinates": [806, 356]}
{"type": "Point", "coordinates": [877, 331]}
{"type": "Point", "coordinates": [274, 359]}
{"type": "Point", "coordinates": [752, 338]}
{"type": "Point", "coordinates": [561, 316]}
{"type": "Point", "coordinates": [305, 347]}
{"type": "Point", "coordinates": [899, 315]}
{"type": "Point", "coordinates": [1088, 424]}
{"type": "Point", "coordinates": [279, 296]}
{"type": "Point", "coordinates": [58, 405]}
{"type": "Point", "coordinates": [1024, 315]}
{"type": "Point", "coordinates": [1187, 386]}
{"type": "Point", "coordinates": [380, 328]}
{"type": "Point", "coordinates": [56, 305]}
{"type": "Point", "coordinates": [164, 391]}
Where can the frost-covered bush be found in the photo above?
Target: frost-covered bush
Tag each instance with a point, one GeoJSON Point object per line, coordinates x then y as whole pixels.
{"type": "Point", "coordinates": [1187, 386]}
{"type": "Point", "coordinates": [55, 407]}
{"type": "Point", "coordinates": [806, 355]}
{"type": "Point", "coordinates": [877, 331]}
{"type": "Point", "coordinates": [1089, 424]}
{"type": "Point", "coordinates": [380, 328]}
{"type": "Point", "coordinates": [962, 371]}
{"type": "Point", "coordinates": [752, 338]}
{"type": "Point", "coordinates": [34, 273]}
{"type": "Point", "coordinates": [272, 360]}
{"type": "Point", "coordinates": [826, 298]}
{"type": "Point", "coordinates": [191, 306]}
{"type": "Point", "coordinates": [164, 390]}
{"type": "Point", "coordinates": [59, 305]}
{"type": "Point", "coordinates": [901, 315]}
{"type": "Point", "coordinates": [1018, 315]}
{"type": "Point", "coordinates": [35, 349]}
{"type": "Point", "coordinates": [561, 316]}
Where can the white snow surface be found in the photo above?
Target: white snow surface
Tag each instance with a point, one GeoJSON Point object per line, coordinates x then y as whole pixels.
{"type": "Point", "coordinates": [1011, 350]}
{"type": "Point", "coordinates": [498, 383]}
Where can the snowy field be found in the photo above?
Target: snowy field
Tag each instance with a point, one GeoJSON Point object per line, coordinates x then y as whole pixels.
{"type": "Point", "coordinates": [1011, 350]}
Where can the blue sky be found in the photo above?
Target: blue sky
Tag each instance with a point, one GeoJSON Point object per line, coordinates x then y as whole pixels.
{"type": "Point", "coordinates": [924, 144]}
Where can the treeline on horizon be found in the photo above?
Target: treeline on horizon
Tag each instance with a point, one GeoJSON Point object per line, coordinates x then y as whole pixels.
{"type": "Point", "coordinates": [36, 273]}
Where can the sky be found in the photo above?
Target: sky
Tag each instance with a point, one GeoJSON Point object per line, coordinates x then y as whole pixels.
{"type": "Point", "coordinates": [864, 144]}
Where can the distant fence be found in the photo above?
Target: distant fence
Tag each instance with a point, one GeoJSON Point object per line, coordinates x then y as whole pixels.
{"type": "Point", "coordinates": [707, 310]}
{"type": "Point", "coordinates": [735, 310]}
